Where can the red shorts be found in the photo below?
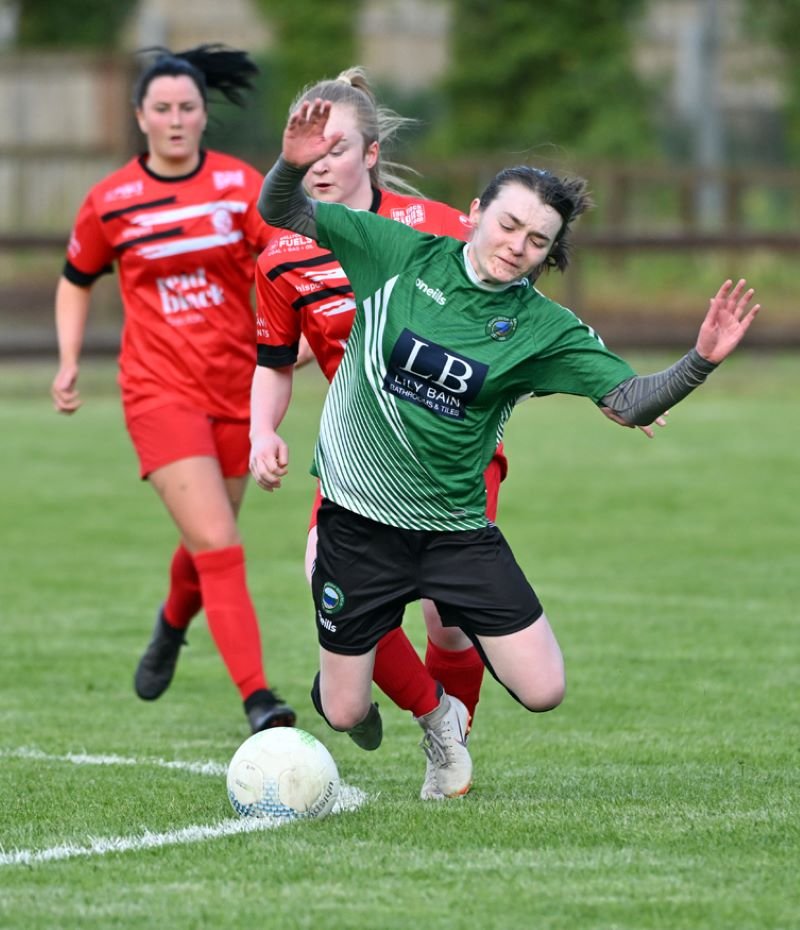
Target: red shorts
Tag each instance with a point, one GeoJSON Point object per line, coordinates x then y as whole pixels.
{"type": "Point", "coordinates": [496, 472]}
{"type": "Point", "coordinates": [174, 432]}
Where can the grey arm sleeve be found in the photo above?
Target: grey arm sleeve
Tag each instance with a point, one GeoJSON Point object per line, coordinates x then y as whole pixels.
{"type": "Point", "coordinates": [640, 400]}
{"type": "Point", "coordinates": [283, 202]}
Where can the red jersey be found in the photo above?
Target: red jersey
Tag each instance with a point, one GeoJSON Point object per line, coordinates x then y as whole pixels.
{"type": "Point", "coordinates": [301, 288]}
{"type": "Point", "coordinates": [186, 249]}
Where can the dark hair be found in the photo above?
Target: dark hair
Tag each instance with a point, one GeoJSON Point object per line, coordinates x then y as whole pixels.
{"type": "Point", "coordinates": [212, 66]}
{"type": "Point", "coordinates": [376, 123]}
{"type": "Point", "coordinates": [567, 196]}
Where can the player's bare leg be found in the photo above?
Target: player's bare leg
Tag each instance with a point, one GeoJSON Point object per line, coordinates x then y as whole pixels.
{"type": "Point", "coordinates": [529, 663]}
{"type": "Point", "coordinates": [203, 504]}
{"type": "Point", "coordinates": [345, 687]}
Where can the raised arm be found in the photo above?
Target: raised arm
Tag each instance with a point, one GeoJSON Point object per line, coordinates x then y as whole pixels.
{"type": "Point", "coordinates": [640, 400]}
{"type": "Point", "coordinates": [283, 202]}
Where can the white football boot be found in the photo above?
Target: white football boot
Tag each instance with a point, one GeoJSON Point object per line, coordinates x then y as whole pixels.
{"type": "Point", "coordinates": [448, 773]}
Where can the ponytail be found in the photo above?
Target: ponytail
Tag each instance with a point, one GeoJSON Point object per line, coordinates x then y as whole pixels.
{"type": "Point", "coordinates": [212, 66]}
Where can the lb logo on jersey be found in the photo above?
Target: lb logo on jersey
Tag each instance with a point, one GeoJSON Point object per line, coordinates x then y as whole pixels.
{"type": "Point", "coordinates": [332, 598]}
{"type": "Point", "coordinates": [501, 328]}
{"type": "Point", "coordinates": [432, 376]}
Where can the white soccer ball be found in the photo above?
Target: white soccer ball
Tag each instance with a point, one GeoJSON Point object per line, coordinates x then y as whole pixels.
{"type": "Point", "coordinates": [284, 773]}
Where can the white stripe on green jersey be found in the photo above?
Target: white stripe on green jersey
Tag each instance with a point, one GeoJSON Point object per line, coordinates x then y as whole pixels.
{"type": "Point", "coordinates": [433, 368]}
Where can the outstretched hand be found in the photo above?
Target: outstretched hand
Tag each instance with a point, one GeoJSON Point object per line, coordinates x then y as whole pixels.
{"type": "Point", "coordinates": [726, 322]}
{"type": "Point", "coordinates": [304, 139]}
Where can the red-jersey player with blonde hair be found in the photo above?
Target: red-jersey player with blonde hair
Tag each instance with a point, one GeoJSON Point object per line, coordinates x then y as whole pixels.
{"type": "Point", "coordinates": [181, 224]}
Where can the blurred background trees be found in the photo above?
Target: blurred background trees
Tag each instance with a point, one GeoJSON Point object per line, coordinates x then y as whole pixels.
{"type": "Point", "coordinates": [517, 74]}
{"type": "Point", "coordinates": [76, 24]}
{"type": "Point", "coordinates": [522, 73]}
{"type": "Point", "coordinates": [684, 114]}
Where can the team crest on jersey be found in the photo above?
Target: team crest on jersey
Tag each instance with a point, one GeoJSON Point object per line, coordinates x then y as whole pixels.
{"type": "Point", "coordinates": [432, 376]}
{"type": "Point", "coordinates": [332, 599]}
{"type": "Point", "coordinates": [225, 179]}
{"type": "Point", "coordinates": [222, 221]}
{"type": "Point", "coordinates": [501, 328]}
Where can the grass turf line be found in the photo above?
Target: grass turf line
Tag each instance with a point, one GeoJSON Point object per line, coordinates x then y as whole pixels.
{"type": "Point", "coordinates": [662, 794]}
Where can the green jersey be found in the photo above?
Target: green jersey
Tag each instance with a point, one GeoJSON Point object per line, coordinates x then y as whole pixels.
{"type": "Point", "coordinates": [433, 367]}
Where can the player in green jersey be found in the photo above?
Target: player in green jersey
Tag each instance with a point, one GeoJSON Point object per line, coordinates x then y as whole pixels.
{"type": "Point", "coordinates": [447, 338]}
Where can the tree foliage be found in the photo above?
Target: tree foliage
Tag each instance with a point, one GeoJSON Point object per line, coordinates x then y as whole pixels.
{"type": "Point", "coordinates": [526, 75]}
{"type": "Point", "coordinates": [82, 24]}
{"type": "Point", "coordinates": [314, 39]}
{"type": "Point", "coordinates": [778, 22]}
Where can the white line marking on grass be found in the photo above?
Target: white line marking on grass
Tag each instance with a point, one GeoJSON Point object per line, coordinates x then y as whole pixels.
{"type": "Point", "coordinates": [147, 840]}
{"type": "Point", "coordinates": [80, 758]}
{"type": "Point", "coordinates": [350, 799]}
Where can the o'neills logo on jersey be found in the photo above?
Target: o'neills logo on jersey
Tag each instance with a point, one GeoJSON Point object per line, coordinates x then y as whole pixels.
{"type": "Point", "coordinates": [183, 293]}
{"type": "Point", "coordinates": [433, 292]}
{"type": "Point", "coordinates": [431, 376]}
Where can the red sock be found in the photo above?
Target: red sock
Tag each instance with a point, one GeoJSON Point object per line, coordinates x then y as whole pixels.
{"type": "Point", "coordinates": [183, 600]}
{"type": "Point", "coordinates": [460, 673]}
{"type": "Point", "coordinates": [231, 616]}
{"type": "Point", "coordinates": [401, 675]}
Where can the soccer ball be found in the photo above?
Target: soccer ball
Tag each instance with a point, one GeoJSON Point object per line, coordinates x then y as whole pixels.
{"type": "Point", "coordinates": [283, 773]}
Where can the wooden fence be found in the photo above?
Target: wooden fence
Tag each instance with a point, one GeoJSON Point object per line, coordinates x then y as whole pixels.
{"type": "Point", "coordinates": [65, 121]}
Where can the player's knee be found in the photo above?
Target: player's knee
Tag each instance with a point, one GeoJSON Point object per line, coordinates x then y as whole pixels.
{"type": "Point", "coordinates": [543, 696]}
{"type": "Point", "coordinates": [344, 716]}
{"type": "Point", "coordinates": [338, 714]}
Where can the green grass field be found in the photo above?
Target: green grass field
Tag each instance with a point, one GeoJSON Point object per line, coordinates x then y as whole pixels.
{"type": "Point", "coordinates": [663, 793]}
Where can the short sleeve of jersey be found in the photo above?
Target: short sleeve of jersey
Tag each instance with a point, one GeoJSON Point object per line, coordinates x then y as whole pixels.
{"type": "Point", "coordinates": [430, 216]}
{"type": "Point", "coordinates": [89, 253]}
{"type": "Point", "coordinates": [256, 231]}
{"type": "Point", "coordinates": [450, 222]}
{"type": "Point", "coordinates": [570, 358]}
{"type": "Point", "coordinates": [370, 248]}
{"type": "Point", "coordinates": [278, 325]}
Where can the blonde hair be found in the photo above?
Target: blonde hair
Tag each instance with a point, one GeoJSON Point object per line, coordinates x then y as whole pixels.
{"type": "Point", "coordinates": [375, 122]}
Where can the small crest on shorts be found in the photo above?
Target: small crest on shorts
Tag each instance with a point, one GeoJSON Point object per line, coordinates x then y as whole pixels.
{"type": "Point", "coordinates": [332, 598]}
{"type": "Point", "coordinates": [501, 328]}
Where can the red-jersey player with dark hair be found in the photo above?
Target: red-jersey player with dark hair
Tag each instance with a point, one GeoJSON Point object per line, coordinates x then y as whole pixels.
{"type": "Point", "coordinates": [181, 224]}
{"type": "Point", "coordinates": [304, 299]}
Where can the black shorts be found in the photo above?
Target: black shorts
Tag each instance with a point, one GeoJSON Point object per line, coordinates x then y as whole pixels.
{"type": "Point", "coordinates": [366, 572]}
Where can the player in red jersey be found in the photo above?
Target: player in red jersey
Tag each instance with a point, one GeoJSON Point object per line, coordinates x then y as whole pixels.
{"type": "Point", "coordinates": [181, 224]}
{"type": "Point", "coordinates": [304, 296]}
